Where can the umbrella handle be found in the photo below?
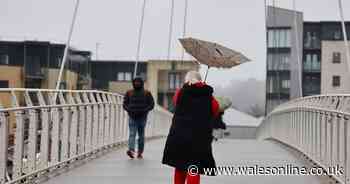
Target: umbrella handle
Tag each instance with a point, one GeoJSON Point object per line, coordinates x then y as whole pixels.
{"type": "Point", "coordinates": [206, 74]}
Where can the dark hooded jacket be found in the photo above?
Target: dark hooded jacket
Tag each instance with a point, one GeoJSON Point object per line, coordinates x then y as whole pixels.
{"type": "Point", "coordinates": [190, 137]}
{"type": "Point", "coordinates": [138, 101]}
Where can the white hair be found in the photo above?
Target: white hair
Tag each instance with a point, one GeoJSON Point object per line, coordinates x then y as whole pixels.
{"type": "Point", "coordinates": [193, 77]}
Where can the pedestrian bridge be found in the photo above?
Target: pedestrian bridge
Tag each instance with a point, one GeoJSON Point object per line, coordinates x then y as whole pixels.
{"type": "Point", "coordinates": [51, 136]}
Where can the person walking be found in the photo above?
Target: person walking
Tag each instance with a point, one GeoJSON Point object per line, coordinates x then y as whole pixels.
{"type": "Point", "coordinates": [137, 102]}
{"type": "Point", "coordinates": [188, 146]}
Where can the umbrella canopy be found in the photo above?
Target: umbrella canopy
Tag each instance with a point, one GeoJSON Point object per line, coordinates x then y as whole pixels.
{"type": "Point", "coordinates": [213, 54]}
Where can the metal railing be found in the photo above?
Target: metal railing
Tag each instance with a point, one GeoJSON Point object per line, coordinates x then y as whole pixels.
{"type": "Point", "coordinates": [317, 126]}
{"type": "Point", "coordinates": [43, 130]}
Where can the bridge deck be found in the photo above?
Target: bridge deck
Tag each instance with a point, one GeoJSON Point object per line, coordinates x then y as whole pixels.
{"type": "Point", "coordinates": [116, 168]}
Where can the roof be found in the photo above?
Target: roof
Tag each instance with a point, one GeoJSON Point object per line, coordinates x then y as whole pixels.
{"type": "Point", "coordinates": [234, 117]}
{"type": "Point", "coordinates": [116, 61]}
{"type": "Point", "coordinates": [133, 61]}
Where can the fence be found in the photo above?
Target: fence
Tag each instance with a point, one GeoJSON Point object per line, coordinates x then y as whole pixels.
{"type": "Point", "coordinates": [318, 126]}
{"type": "Point", "coordinates": [43, 130]}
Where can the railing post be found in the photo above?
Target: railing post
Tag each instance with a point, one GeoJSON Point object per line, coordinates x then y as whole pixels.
{"type": "Point", "coordinates": [101, 121]}
{"type": "Point", "coordinates": [112, 122]}
{"type": "Point", "coordinates": [118, 108]}
{"type": "Point", "coordinates": [347, 146]}
{"type": "Point", "coordinates": [329, 139]}
{"type": "Point", "coordinates": [4, 133]}
{"type": "Point", "coordinates": [73, 138]}
{"type": "Point", "coordinates": [45, 128]}
{"type": "Point", "coordinates": [95, 121]}
{"type": "Point", "coordinates": [33, 136]}
{"type": "Point", "coordinates": [89, 123]}
{"type": "Point", "coordinates": [55, 133]}
{"type": "Point", "coordinates": [323, 124]}
{"type": "Point", "coordinates": [19, 139]}
{"type": "Point", "coordinates": [65, 128]}
{"type": "Point", "coordinates": [82, 146]}
{"type": "Point", "coordinates": [342, 146]}
{"type": "Point", "coordinates": [107, 119]}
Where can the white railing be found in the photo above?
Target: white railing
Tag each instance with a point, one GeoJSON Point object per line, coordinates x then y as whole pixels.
{"type": "Point", "coordinates": [317, 126]}
{"type": "Point", "coordinates": [39, 134]}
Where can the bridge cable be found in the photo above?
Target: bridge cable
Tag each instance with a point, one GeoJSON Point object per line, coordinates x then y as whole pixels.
{"type": "Point", "coordinates": [66, 50]}
{"type": "Point", "coordinates": [185, 29]}
{"type": "Point", "coordinates": [171, 25]}
{"type": "Point", "coordinates": [346, 43]}
{"type": "Point", "coordinates": [140, 37]}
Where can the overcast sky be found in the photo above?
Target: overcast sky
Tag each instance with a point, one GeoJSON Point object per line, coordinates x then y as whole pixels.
{"type": "Point", "coordinates": [238, 24]}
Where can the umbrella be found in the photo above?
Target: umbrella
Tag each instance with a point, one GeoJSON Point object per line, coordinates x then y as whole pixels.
{"type": "Point", "coordinates": [213, 54]}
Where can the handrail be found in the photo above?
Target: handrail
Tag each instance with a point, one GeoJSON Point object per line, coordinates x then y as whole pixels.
{"type": "Point", "coordinates": [50, 134]}
{"type": "Point", "coordinates": [317, 126]}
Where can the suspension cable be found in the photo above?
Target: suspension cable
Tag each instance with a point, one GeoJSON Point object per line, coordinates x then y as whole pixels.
{"type": "Point", "coordinates": [171, 23]}
{"type": "Point", "coordinates": [185, 29]}
{"type": "Point", "coordinates": [299, 63]}
{"type": "Point", "coordinates": [66, 50]}
{"type": "Point", "coordinates": [346, 44]}
{"type": "Point", "coordinates": [140, 37]}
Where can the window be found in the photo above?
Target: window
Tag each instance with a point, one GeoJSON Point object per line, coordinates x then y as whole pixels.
{"type": "Point", "coordinates": [336, 81]}
{"type": "Point", "coordinates": [279, 61]}
{"type": "Point", "coordinates": [312, 62]}
{"type": "Point", "coordinates": [59, 61]}
{"type": "Point", "coordinates": [285, 84]}
{"type": "Point", "coordinates": [4, 59]}
{"type": "Point", "coordinates": [143, 76]}
{"type": "Point", "coordinates": [311, 40]}
{"type": "Point", "coordinates": [174, 80]}
{"type": "Point", "coordinates": [128, 76]}
{"type": "Point", "coordinates": [336, 57]}
{"type": "Point", "coordinates": [124, 76]}
{"type": "Point", "coordinates": [4, 84]}
{"type": "Point", "coordinates": [279, 38]}
{"type": "Point", "coordinates": [337, 35]}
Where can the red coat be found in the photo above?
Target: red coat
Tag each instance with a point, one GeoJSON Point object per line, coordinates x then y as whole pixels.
{"type": "Point", "coordinates": [214, 102]}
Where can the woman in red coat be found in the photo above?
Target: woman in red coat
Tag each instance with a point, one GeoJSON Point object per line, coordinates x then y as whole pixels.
{"type": "Point", "coordinates": [188, 145]}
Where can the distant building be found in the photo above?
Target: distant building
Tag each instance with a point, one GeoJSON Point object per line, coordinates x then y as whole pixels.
{"type": "Point", "coordinates": [35, 64]}
{"type": "Point", "coordinates": [324, 68]}
{"type": "Point", "coordinates": [161, 77]}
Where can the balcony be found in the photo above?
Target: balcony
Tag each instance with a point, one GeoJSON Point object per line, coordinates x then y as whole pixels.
{"type": "Point", "coordinates": [34, 72]}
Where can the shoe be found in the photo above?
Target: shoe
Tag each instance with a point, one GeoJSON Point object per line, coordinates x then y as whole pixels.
{"type": "Point", "coordinates": [130, 154]}
{"type": "Point", "coordinates": [139, 156]}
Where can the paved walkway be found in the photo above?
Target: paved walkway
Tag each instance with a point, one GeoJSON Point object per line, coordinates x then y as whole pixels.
{"type": "Point", "coordinates": [116, 168]}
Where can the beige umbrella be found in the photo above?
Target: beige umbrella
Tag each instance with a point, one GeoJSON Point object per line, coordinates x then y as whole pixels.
{"type": "Point", "coordinates": [213, 54]}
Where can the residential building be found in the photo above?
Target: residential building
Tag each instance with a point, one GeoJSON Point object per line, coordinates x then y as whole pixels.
{"type": "Point", "coordinates": [324, 68]}
{"type": "Point", "coordinates": [335, 75]}
{"type": "Point", "coordinates": [161, 77]}
{"type": "Point", "coordinates": [36, 64]}
{"type": "Point", "coordinates": [283, 54]}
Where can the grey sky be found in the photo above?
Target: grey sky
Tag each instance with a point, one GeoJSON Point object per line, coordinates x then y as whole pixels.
{"type": "Point", "coordinates": [238, 24]}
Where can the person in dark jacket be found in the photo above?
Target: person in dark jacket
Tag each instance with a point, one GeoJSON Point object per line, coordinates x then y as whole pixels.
{"type": "Point", "coordinates": [137, 102]}
{"type": "Point", "coordinates": [188, 145]}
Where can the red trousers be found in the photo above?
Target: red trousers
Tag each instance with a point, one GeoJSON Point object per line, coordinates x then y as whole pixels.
{"type": "Point", "coordinates": [180, 177]}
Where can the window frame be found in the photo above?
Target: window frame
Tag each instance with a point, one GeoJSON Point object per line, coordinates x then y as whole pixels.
{"type": "Point", "coordinates": [5, 82]}
{"type": "Point", "coordinates": [336, 58]}
{"type": "Point", "coordinates": [336, 83]}
{"type": "Point", "coordinates": [7, 59]}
